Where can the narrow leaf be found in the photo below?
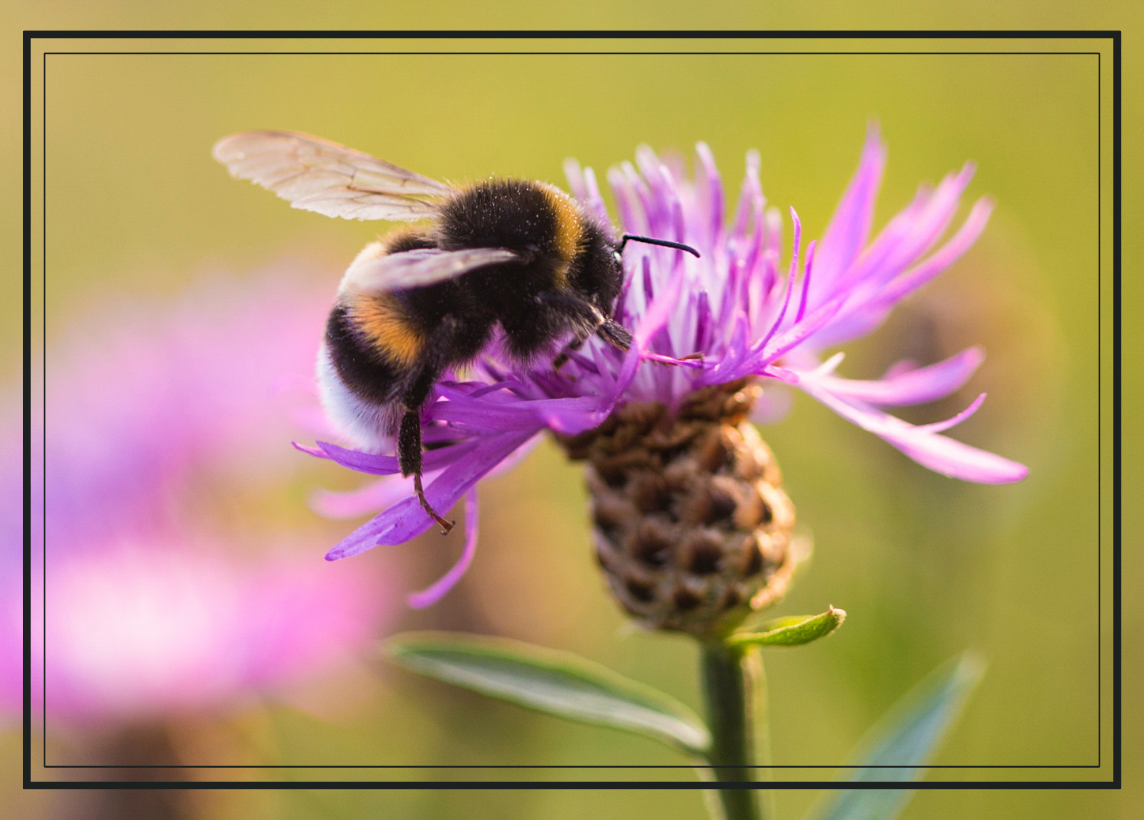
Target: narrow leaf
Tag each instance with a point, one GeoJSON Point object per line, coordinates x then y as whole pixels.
{"type": "Point", "coordinates": [558, 683]}
{"type": "Point", "coordinates": [793, 631]}
{"type": "Point", "coordinates": [904, 741]}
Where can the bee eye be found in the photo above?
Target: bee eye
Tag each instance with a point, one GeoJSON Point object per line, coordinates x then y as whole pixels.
{"type": "Point", "coordinates": [619, 259]}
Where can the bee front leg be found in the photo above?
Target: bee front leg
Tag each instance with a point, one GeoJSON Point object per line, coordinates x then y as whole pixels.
{"type": "Point", "coordinates": [587, 319]}
{"type": "Point", "coordinates": [615, 333]}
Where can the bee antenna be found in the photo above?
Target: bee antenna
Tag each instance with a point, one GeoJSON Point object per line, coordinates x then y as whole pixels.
{"type": "Point", "coordinates": [663, 242]}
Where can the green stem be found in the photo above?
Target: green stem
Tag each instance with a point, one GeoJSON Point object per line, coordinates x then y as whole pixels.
{"type": "Point", "coordinates": [734, 693]}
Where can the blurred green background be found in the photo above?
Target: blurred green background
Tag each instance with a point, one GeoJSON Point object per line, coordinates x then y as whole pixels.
{"type": "Point", "coordinates": [926, 567]}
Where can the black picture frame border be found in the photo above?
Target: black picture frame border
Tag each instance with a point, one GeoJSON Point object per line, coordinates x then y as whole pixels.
{"type": "Point", "coordinates": [1114, 35]}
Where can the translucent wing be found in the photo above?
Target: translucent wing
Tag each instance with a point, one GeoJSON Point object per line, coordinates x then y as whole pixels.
{"type": "Point", "coordinates": [318, 175]}
{"type": "Point", "coordinates": [417, 268]}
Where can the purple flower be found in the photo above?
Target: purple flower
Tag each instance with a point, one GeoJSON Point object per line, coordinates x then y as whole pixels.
{"type": "Point", "coordinates": [154, 602]}
{"type": "Point", "coordinates": [11, 557]}
{"type": "Point", "coordinates": [744, 312]}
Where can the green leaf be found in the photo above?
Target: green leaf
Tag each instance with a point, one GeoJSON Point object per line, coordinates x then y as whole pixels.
{"type": "Point", "coordinates": [908, 736]}
{"type": "Point", "coordinates": [558, 683]}
{"type": "Point", "coordinates": [793, 631]}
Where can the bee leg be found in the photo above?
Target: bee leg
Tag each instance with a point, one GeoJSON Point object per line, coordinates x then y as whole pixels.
{"type": "Point", "coordinates": [589, 319]}
{"type": "Point", "coordinates": [615, 333]}
{"type": "Point", "coordinates": [566, 353]}
{"type": "Point", "coordinates": [434, 359]}
{"type": "Point", "coordinates": [409, 459]}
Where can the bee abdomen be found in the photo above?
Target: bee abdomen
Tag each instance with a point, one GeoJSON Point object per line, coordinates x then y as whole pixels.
{"type": "Point", "coordinates": [359, 364]}
{"type": "Point", "coordinates": [388, 326]}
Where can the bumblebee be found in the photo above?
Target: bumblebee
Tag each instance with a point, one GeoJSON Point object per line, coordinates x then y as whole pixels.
{"type": "Point", "coordinates": [515, 253]}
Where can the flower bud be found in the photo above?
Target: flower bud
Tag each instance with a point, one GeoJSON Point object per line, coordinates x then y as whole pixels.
{"type": "Point", "coordinates": [691, 524]}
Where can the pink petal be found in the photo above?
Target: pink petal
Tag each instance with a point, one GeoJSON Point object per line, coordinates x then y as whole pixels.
{"type": "Point", "coordinates": [938, 453]}
{"type": "Point", "coordinates": [806, 276]}
{"type": "Point", "coordinates": [435, 592]}
{"type": "Point", "coordinates": [382, 494]}
{"type": "Point", "coordinates": [657, 357]}
{"type": "Point", "coordinates": [710, 189]}
{"type": "Point", "coordinates": [375, 464]}
{"type": "Point", "coordinates": [942, 426]}
{"type": "Point", "coordinates": [506, 413]}
{"type": "Point", "coordinates": [869, 304]}
{"type": "Point", "coordinates": [595, 202]}
{"type": "Point", "coordinates": [626, 199]}
{"type": "Point", "coordinates": [653, 320]}
{"type": "Point", "coordinates": [575, 180]}
{"type": "Point", "coordinates": [908, 386]}
{"type": "Point", "coordinates": [927, 228]}
{"type": "Point", "coordinates": [407, 519]}
{"type": "Point", "coordinates": [751, 200]}
{"type": "Point", "coordinates": [945, 256]}
{"type": "Point", "coordinates": [758, 351]}
{"type": "Point", "coordinates": [910, 234]}
{"type": "Point", "coordinates": [849, 228]}
{"type": "Point", "coordinates": [642, 202]}
{"type": "Point", "coordinates": [799, 333]}
{"type": "Point", "coordinates": [316, 452]}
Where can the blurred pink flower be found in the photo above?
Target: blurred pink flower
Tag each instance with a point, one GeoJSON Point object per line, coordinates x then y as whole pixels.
{"type": "Point", "coordinates": [151, 604]}
{"type": "Point", "coordinates": [150, 628]}
{"type": "Point", "coordinates": [11, 553]}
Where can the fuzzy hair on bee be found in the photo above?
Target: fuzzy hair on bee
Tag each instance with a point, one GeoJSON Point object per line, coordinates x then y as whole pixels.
{"type": "Point", "coordinates": [516, 254]}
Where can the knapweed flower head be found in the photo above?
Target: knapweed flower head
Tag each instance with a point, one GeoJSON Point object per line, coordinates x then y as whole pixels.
{"type": "Point", "coordinates": [153, 601]}
{"type": "Point", "coordinates": [708, 333]}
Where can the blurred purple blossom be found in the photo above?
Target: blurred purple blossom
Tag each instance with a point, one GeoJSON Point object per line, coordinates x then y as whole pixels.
{"type": "Point", "coordinates": [11, 556]}
{"type": "Point", "coordinates": [153, 410]}
{"type": "Point", "coordinates": [738, 305]}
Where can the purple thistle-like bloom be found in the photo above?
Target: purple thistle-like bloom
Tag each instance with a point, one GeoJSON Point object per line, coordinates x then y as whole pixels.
{"type": "Point", "coordinates": [738, 307]}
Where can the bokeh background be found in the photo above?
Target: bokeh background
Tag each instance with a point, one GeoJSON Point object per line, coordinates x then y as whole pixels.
{"type": "Point", "coordinates": [139, 215]}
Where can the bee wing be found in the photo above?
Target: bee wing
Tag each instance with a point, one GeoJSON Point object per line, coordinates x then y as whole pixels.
{"type": "Point", "coordinates": [318, 175]}
{"type": "Point", "coordinates": [420, 267]}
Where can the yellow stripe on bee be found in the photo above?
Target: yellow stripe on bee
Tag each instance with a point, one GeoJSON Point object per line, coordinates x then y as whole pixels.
{"type": "Point", "coordinates": [569, 225]}
{"type": "Point", "coordinates": [386, 324]}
